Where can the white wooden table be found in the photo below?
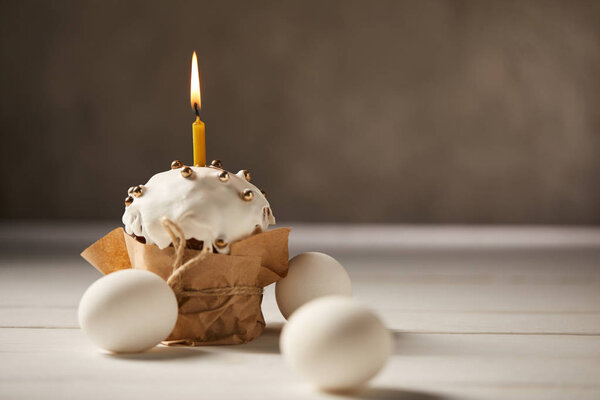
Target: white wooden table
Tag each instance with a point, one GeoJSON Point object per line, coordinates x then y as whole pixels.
{"type": "Point", "coordinates": [482, 313]}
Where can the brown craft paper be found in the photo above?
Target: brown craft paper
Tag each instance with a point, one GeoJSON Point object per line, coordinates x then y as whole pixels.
{"type": "Point", "coordinates": [219, 296]}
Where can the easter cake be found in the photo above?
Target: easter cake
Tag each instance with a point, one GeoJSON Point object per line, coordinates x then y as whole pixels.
{"type": "Point", "coordinates": [204, 231]}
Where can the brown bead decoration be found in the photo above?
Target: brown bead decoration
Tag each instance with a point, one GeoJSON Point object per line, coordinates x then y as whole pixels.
{"type": "Point", "coordinates": [246, 174]}
{"type": "Point", "coordinates": [220, 243]}
{"type": "Point", "coordinates": [136, 191]}
{"type": "Point", "coordinates": [223, 176]}
{"type": "Point", "coordinates": [128, 201]}
{"type": "Point", "coordinates": [130, 190]}
{"type": "Point", "coordinates": [176, 164]}
{"type": "Point", "coordinates": [247, 195]}
{"type": "Point", "coordinates": [186, 172]}
{"type": "Point", "coordinates": [263, 193]}
{"type": "Point", "coordinates": [216, 164]}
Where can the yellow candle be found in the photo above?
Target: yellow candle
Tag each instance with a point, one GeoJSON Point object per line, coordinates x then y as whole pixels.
{"type": "Point", "coordinates": [199, 143]}
{"type": "Point", "coordinates": [197, 126]}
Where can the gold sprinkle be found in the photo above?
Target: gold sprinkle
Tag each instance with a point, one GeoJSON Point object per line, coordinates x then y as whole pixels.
{"type": "Point", "coordinates": [187, 172]}
{"type": "Point", "coordinates": [176, 164]}
{"type": "Point", "coordinates": [220, 243]}
{"type": "Point", "coordinates": [247, 195]}
{"type": "Point", "coordinates": [136, 191]}
{"type": "Point", "coordinates": [245, 173]}
{"type": "Point", "coordinates": [263, 193]}
{"type": "Point", "coordinates": [130, 190]}
{"type": "Point", "coordinates": [216, 164]}
{"type": "Point", "coordinates": [128, 201]}
{"type": "Point", "coordinates": [223, 176]}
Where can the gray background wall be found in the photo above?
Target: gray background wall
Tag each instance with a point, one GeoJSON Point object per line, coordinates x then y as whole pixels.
{"type": "Point", "coordinates": [353, 111]}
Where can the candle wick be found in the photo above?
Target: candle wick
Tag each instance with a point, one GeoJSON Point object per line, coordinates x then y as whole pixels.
{"type": "Point", "coordinates": [197, 110]}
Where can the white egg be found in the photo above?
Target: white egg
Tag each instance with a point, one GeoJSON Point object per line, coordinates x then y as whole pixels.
{"type": "Point", "coordinates": [311, 275]}
{"type": "Point", "coordinates": [128, 311]}
{"type": "Point", "coordinates": [335, 343]}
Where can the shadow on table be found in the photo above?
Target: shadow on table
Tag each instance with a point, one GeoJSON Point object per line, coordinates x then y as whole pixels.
{"type": "Point", "coordinates": [386, 393]}
{"type": "Point", "coordinates": [397, 338]}
{"type": "Point", "coordinates": [266, 343]}
{"type": "Point", "coordinates": [162, 353]}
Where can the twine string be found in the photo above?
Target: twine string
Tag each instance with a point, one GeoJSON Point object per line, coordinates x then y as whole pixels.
{"type": "Point", "coordinates": [175, 279]}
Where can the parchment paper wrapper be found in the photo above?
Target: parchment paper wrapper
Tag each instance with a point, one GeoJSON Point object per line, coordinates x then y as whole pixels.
{"type": "Point", "coordinates": [220, 296]}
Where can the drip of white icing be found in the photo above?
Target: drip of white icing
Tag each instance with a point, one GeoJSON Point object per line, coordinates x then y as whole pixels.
{"type": "Point", "coordinates": [205, 208]}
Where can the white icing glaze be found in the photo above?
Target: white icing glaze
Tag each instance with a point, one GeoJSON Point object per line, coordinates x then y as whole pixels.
{"type": "Point", "coordinates": [205, 208]}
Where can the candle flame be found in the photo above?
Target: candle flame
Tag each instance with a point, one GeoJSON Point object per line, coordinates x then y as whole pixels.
{"type": "Point", "coordinates": [195, 85]}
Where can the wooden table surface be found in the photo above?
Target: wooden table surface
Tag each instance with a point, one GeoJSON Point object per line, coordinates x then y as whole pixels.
{"type": "Point", "coordinates": [481, 313]}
